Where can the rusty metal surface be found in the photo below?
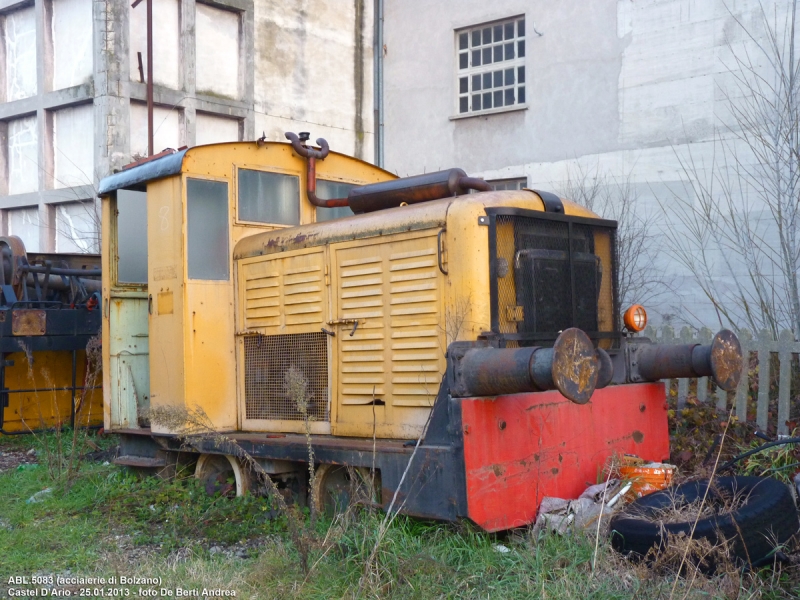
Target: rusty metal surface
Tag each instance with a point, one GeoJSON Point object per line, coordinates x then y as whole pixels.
{"type": "Point", "coordinates": [28, 322]}
{"type": "Point", "coordinates": [495, 371]}
{"type": "Point", "coordinates": [14, 250]}
{"type": "Point", "coordinates": [298, 143]}
{"type": "Point", "coordinates": [552, 447]}
{"type": "Point", "coordinates": [722, 360]}
{"type": "Point", "coordinates": [408, 190]}
{"type": "Point", "coordinates": [726, 360]}
{"type": "Point", "coordinates": [575, 365]}
{"type": "Point", "coordinates": [311, 155]}
{"type": "Point", "coordinates": [387, 194]}
{"type": "Point", "coordinates": [606, 374]}
{"type": "Point", "coordinates": [658, 361]}
{"type": "Point", "coordinates": [572, 367]}
{"type": "Point", "coordinates": [137, 174]}
{"type": "Point", "coordinates": [140, 461]}
{"type": "Point", "coordinates": [473, 183]}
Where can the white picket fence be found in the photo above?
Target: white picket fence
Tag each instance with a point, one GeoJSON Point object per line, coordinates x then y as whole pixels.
{"type": "Point", "coordinates": [764, 345]}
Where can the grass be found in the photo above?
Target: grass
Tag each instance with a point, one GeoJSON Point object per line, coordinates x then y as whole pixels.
{"type": "Point", "coordinates": [111, 522]}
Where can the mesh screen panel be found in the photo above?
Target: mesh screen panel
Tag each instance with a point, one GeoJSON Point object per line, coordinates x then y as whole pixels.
{"type": "Point", "coordinates": [552, 275]}
{"type": "Point", "coordinates": [279, 370]}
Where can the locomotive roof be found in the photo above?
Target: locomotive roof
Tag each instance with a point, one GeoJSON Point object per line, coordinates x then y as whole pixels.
{"type": "Point", "coordinates": [424, 215]}
{"type": "Point", "coordinates": [170, 162]}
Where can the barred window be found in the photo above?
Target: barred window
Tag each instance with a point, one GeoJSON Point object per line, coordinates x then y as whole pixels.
{"type": "Point", "coordinates": [518, 183]}
{"type": "Point", "coordinates": [491, 66]}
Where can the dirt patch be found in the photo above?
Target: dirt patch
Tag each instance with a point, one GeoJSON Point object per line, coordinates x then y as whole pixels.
{"type": "Point", "coordinates": [11, 459]}
{"type": "Point", "coordinates": [123, 551]}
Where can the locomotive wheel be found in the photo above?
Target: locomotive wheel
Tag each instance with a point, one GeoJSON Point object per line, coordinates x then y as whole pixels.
{"type": "Point", "coordinates": [222, 474]}
{"type": "Point", "coordinates": [339, 487]}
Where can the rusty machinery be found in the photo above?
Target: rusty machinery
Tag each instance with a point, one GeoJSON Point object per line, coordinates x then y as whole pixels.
{"type": "Point", "coordinates": [49, 312]}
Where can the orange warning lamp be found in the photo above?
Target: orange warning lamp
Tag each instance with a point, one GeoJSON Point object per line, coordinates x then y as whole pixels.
{"type": "Point", "coordinates": [635, 318]}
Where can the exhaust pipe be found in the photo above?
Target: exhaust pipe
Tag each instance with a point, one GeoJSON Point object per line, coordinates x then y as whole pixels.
{"type": "Point", "coordinates": [387, 194]}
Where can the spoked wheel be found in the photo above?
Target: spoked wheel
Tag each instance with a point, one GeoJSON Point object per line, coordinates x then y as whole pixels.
{"type": "Point", "coordinates": [222, 474]}
{"type": "Point", "coordinates": [339, 487]}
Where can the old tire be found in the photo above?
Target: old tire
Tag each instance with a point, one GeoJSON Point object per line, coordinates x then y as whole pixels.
{"type": "Point", "coordinates": [754, 529]}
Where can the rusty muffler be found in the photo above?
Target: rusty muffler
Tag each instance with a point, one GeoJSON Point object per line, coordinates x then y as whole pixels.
{"type": "Point", "coordinates": [571, 366]}
{"type": "Point", "coordinates": [721, 360]}
{"type": "Point", "coordinates": [411, 190]}
{"type": "Point", "coordinates": [386, 194]}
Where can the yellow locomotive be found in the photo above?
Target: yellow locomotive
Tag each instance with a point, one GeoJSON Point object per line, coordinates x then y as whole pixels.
{"type": "Point", "coordinates": [462, 344]}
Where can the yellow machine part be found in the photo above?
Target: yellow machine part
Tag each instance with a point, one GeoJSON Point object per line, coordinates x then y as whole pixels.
{"type": "Point", "coordinates": [364, 308]}
{"type": "Point", "coordinates": [46, 401]}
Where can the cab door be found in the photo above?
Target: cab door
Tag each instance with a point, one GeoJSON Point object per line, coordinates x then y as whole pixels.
{"type": "Point", "coordinates": [126, 376]}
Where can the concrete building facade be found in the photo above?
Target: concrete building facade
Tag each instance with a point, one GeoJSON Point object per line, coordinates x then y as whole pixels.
{"type": "Point", "coordinates": [636, 89]}
{"type": "Point", "coordinates": [73, 95]}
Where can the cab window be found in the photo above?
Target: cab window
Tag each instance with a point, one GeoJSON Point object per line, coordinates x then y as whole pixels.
{"type": "Point", "coordinates": [269, 197]}
{"type": "Point", "coordinates": [131, 230]}
{"type": "Point", "coordinates": [207, 229]}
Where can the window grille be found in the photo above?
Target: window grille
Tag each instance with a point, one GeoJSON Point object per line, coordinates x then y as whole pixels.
{"type": "Point", "coordinates": [283, 371]}
{"type": "Point", "coordinates": [491, 66]}
{"type": "Point", "coordinates": [508, 184]}
{"type": "Point", "coordinates": [549, 272]}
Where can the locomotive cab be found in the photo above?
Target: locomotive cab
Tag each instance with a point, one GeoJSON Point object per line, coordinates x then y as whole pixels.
{"type": "Point", "coordinates": [169, 227]}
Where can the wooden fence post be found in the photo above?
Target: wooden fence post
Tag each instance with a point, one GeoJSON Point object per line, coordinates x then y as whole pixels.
{"type": "Point", "coordinates": [745, 338]}
{"type": "Point", "coordinates": [785, 343]}
{"type": "Point", "coordinates": [764, 355]}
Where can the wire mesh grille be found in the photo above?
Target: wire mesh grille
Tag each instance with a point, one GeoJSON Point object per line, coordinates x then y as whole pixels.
{"type": "Point", "coordinates": [285, 376]}
{"type": "Point", "coordinates": [552, 275]}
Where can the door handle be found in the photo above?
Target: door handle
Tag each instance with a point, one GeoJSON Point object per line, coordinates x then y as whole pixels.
{"type": "Point", "coordinates": [354, 322]}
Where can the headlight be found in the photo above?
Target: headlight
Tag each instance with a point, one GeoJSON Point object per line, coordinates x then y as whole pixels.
{"type": "Point", "coordinates": [635, 318]}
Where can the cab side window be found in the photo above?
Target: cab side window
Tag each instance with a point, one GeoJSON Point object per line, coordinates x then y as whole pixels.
{"type": "Point", "coordinates": [131, 237]}
{"type": "Point", "coordinates": [269, 197]}
{"type": "Point", "coordinates": [207, 229]}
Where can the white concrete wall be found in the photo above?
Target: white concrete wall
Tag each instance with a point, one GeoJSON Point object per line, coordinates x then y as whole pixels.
{"type": "Point", "coordinates": [212, 129]}
{"type": "Point", "coordinates": [77, 227]}
{"type": "Point", "coordinates": [217, 51]}
{"type": "Point", "coordinates": [166, 42]}
{"type": "Point", "coordinates": [72, 105]}
{"type": "Point", "coordinates": [306, 74]}
{"type": "Point", "coordinates": [23, 155]}
{"type": "Point", "coordinates": [20, 52]}
{"type": "Point", "coordinates": [72, 42]}
{"type": "Point", "coordinates": [24, 223]}
{"type": "Point", "coordinates": [167, 129]}
{"type": "Point", "coordinates": [73, 149]}
{"type": "Point", "coordinates": [621, 88]}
